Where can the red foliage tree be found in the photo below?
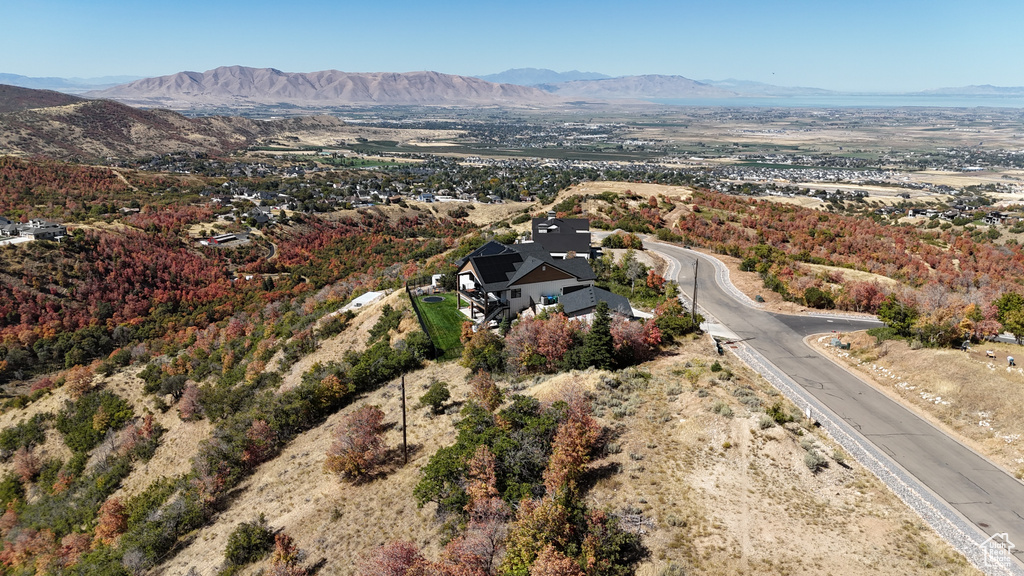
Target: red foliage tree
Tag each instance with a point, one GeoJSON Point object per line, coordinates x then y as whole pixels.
{"type": "Point", "coordinates": [72, 546]}
{"type": "Point", "coordinates": [189, 407]}
{"type": "Point", "coordinates": [261, 440]}
{"type": "Point", "coordinates": [358, 447]}
{"type": "Point", "coordinates": [113, 520]}
{"type": "Point", "coordinates": [394, 559]}
{"type": "Point", "coordinates": [634, 341]}
{"type": "Point", "coordinates": [26, 464]}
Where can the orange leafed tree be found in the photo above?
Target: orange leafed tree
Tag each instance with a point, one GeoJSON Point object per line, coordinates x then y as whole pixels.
{"type": "Point", "coordinates": [485, 391]}
{"type": "Point", "coordinates": [574, 441]}
{"type": "Point", "coordinates": [358, 447]}
{"type": "Point", "coordinates": [113, 520]}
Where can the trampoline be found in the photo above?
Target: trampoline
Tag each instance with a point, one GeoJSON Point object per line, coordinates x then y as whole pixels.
{"type": "Point", "coordinates": [432, 299]}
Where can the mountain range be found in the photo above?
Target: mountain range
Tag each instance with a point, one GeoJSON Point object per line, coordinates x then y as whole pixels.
{"type": "Point", "coordinates": [69, 85]}
{"type": "Point", "coordinates": [638, 87]}
{"type": "Point", "coordinates": [239, 85]}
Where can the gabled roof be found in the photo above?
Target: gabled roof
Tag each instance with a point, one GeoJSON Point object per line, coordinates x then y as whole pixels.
{"type": "Point", "coordinates": [488, 249]}
{"type": "Point", "coordinates": [498, 265]}
{"type": "Point", "coordinates": [586, 298]}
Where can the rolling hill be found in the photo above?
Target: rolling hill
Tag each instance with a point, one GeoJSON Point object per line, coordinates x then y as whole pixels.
{"type": "Point", "coordinates": [15, 98]}
{"type": "Point", "coordinates": [66, 127]}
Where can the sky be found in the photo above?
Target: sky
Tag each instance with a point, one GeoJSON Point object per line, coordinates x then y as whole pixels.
{"type": "Point", "coordinates": [862, 45]}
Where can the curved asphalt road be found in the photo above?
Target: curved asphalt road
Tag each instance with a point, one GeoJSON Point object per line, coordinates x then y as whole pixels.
{"type": "Point", "coordinates": [987, 496]}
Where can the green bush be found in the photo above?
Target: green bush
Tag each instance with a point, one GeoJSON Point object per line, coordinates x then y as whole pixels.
{"type": "Point", "coordinates": [389, 320]}
{"type": "Point", "coordinates": [25, 434]}
{"type": "Point", "coordinates": [249, 542]}
{"type": "Point", "coordinates": [777, 413]}
{"type": "Point", "coordinates": [81, 427]}
{"type": "Point", "coordinates": [436, 396]}
{"type": "Point", "coordinates": [11, 489]}
{"type": "Point", "coordinates": [818, 298]}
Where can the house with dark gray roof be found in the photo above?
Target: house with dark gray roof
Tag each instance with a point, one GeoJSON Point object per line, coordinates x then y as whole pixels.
{"type": "Point", "coordinates": [497, 281]}
{"type": "Point", "coordinates": [34, 229]}
{"type": "Point", "coordinates": [562, 236]}
{"type": "Point", "coordinates": [584, 301]}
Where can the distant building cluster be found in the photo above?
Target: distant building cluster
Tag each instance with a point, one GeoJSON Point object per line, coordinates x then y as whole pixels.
{"type": "Point", "coordinates": [31, 230]}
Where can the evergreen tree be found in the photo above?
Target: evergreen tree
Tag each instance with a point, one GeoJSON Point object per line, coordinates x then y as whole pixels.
{"type": "Point", "coordinates": [597, 344]}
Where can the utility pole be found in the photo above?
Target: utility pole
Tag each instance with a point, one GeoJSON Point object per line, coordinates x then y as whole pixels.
{"type": "Point", "coordinates": [405, 443]}
{"type": "Point", "coordinates": [693, 308]}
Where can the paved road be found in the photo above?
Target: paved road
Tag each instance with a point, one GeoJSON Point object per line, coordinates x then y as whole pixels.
{"type": "Point", "coordinates": [987, 496]}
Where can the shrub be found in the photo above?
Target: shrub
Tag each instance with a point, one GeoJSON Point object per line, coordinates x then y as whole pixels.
{"type": "Point", "coordinates": [815, 462]}
{"type": "Point", "coordinates": [249, 542]}
{"type": "Point", "coordinates": [11, 489]}
{"type": "Point", "coordinates": [393, 559]}
{"type": "Point", "coordinates": [85, 422]}
{"type": "Point", "coordinates": [722, 409]}
{"type": "Point", "coordinates": [26, 434]}
{"type": "Point", "coordinates": [716, 367]}
{"type": "Point", "coordinates": [484, 351]}
{"type": "Point", "coordinates": [436, 396]}
{"type": "Point", "coordinates": [777, 413]}
{"type": "Point", "coordinates": [765, 422]}
{"type": "Point", "coordinates": [389, 320]}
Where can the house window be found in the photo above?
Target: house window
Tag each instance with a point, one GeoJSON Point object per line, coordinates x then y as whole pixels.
{"type": "Point", "coordinates": [517, 292]}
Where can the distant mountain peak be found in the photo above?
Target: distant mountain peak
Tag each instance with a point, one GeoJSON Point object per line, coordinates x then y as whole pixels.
{"type": "Point", "coordinates": [647, 86]}
{"type": "Point", "coordinates": [538, 76]}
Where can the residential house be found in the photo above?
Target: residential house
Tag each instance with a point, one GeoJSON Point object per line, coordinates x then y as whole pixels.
{"type": "Point", "coordinates": [497, 281]}
{"type": "Point", "coordinates": [994, 218]}
{"type": "Point", "coordinates": [584, 301]}
{"type": "Point", "coordinates": [561, 236]}
{"type": "Point", "coordinates": [43, 230]}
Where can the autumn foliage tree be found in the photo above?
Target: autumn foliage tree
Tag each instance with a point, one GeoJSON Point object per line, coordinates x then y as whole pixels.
{"type": "Point", "coordinates": [574, 441]}
{"type": "Point", "coordinates": [358, 447]}
{"type": "Point", "coordinates": [78, 380]}
{"type": "Point", "coordinates": [113, 520]}
{"type": "Point", "coordinates": [261, 440]}
{"type": "Point", "coordinates": [538, 344]}
{"type": "Point", "coordinates": [394, 559]}
{"type": "Point", "coordinates": [485, 391]}
{"type": "Point", "coordinates": [286, 558]}
{"type": "Point", "coordinates": [551, 562]}
{"type": "Point", "coordinates": [634, 341]}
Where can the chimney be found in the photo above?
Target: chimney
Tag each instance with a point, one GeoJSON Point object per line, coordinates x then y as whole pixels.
{"type": "Point", "coordinates": [551, 214]}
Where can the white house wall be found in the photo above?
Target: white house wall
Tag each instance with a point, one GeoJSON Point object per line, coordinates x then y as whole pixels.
{"type": "Point", "coordinates": [540, 289]}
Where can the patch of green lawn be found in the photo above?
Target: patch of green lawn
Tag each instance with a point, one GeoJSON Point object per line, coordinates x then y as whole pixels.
{"type": "Point", "coordinates": [444, 323]}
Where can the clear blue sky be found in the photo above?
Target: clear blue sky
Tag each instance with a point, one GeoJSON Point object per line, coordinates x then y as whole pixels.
{"type": "Point", "coordinates": [861, 45]}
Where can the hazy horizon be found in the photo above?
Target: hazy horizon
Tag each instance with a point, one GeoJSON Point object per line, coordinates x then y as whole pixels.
{"type": "Point", "coordinates": [872, 47]}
